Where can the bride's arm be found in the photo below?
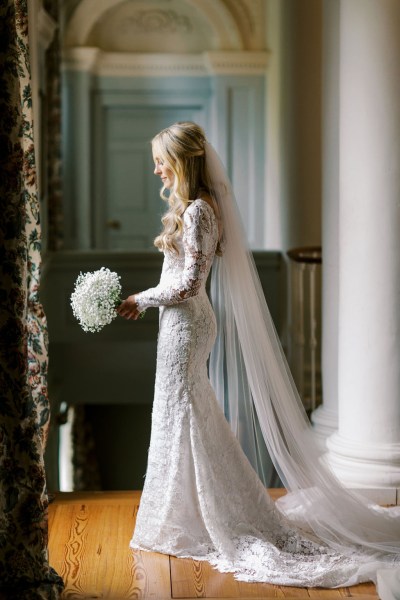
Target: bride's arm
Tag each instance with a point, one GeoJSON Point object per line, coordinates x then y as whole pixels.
{"type": "Point", "coordinates": [197, 235]}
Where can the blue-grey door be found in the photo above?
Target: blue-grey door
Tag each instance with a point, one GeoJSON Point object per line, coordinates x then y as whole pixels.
{"type": "Point", "coordinates": [129, 206]}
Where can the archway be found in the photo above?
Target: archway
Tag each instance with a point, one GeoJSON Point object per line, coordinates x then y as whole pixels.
{"type": "Point", "coordinates": [197, 56]}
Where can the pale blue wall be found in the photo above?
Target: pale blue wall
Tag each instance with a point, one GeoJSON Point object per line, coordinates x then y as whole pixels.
{"type": "Point", "coordinates": [231, 109]}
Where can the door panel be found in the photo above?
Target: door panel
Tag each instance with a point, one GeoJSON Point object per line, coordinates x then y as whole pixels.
{"type": "Point", "coordinates": [131, 199]}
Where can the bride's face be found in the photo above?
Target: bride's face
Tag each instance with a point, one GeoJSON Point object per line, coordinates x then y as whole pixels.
{"type": "Point", "coordinates": [165, 173]}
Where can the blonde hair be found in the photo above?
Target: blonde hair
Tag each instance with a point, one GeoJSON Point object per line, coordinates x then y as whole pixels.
{"type": "Point", "coordinates": [181, 148]}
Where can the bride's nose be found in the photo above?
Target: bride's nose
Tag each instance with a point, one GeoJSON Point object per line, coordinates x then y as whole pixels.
{"type": "Point", "coordinates": [157, 170]}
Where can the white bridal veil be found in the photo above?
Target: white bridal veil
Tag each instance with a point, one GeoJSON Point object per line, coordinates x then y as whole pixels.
{"type": "Point", "coordinates": [248, 371]}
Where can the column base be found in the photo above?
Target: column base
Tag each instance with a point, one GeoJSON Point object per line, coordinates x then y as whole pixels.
{"type": "Point", "coordinates": [372, 467]}
{"type": "Point", "coordinates": [325, 423]}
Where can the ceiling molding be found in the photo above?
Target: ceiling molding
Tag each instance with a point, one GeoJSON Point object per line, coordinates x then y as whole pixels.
{"type": "Point", "coordinates": [222, 21]}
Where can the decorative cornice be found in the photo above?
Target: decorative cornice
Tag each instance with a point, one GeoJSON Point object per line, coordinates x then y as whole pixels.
{"type": "Point", "coordinates": [120, 64]}
{"type": "Point", "coordinates": [236, 63]}
{"type": "Point", "coordinates": [156, 21]}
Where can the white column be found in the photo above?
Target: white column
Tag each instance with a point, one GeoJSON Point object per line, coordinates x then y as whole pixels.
{"type": "Point", "coordinates": [325, 417]}
{"type": "Point", "coordinates": [365, 452]}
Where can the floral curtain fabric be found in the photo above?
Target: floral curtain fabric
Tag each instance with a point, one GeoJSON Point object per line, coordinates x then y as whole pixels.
{"type": "Point", "coordinates": [52, 101]}
{"type": "Point", "coordinates": [24, 404]}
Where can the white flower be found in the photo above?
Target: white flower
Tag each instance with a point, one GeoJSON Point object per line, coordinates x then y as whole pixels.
{"type": "Point", "coordinates": [95, 297]}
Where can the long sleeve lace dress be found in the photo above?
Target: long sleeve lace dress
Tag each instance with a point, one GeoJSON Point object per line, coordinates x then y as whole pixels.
{"type": "Point", "coordinates": [201, 497]}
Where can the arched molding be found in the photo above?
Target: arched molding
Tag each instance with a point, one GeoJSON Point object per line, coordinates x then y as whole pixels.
{"type": "Point", "coordinates": [219, 17]}
{"type": "Point", "coordinates": [250, 15]}
{"type": "Point", "coordinates": [223, 21]}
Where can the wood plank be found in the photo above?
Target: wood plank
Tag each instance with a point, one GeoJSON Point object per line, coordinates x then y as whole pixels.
{"type": "Point", "coordinates": [295, 592]}
{"type": "Point", "coordinates": [89, 547]}
{"type": "Point", "coordinates": [323, 594]}
{"type": "Point", "coordinates": [363, 590]}
{"type": "Point", "coordinates": [195, 579]}
{"type": "Point", "coordinates": [128, 497]}
{"type": "Point", "coordinates": [276, 493]}
{"type": "Point", "coordinates": [304, 597]}
{"type": "Point", "coordinates": [152, 576]}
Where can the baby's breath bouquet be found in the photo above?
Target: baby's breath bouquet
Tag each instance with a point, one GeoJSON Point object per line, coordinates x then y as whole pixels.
{"type": "Point", "coordinates": [95, 298]}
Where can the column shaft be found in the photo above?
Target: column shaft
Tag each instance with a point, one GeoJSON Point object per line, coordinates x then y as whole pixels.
{"type": "Point", "coordinates": [366, 449]}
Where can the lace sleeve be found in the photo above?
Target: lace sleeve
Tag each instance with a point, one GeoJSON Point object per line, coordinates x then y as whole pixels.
{"type": "Point", "coordinates": [198, 249]}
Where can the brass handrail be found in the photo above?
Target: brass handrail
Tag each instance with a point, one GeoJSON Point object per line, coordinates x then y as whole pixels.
{"type": "Point", "coordinates": [308, 254]}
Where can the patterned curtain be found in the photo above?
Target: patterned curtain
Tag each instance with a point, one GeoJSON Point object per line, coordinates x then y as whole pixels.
{"type": "Point", "coordinates": [52, 99]}
{"type": "Point", "coordinates": [24, 407]}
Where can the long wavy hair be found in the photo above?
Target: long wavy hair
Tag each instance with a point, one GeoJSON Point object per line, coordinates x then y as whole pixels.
{"type": "Point", "coordinates": [181, 148]}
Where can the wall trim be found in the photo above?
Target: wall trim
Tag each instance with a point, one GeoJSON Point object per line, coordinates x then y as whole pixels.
{"type": "Point", "coordinates": [46, 27]}
{"type": "Point", "coordinates": [121, 64]}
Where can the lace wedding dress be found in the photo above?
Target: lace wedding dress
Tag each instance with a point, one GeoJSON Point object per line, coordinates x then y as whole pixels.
{"type": "Point", "coordinates": [201, 497]}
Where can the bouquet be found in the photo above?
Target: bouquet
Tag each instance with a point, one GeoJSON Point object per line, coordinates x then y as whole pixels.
{"type": "Point", "coordinates": [95, 298]}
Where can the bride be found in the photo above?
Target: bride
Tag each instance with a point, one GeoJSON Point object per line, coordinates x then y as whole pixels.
{"type": "Point", "coordinates": [201, 497]}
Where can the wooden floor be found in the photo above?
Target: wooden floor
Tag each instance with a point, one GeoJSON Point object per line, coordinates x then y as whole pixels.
{"type": "Point", "coordinates": [89, 548]}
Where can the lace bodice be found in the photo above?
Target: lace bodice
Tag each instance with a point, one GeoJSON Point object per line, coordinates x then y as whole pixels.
{"type": "Point", "coordinates": [184, 275]}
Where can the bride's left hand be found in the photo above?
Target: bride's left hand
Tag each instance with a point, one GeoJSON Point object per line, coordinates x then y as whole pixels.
{"type": "Point", "coordinates": [129, 308]}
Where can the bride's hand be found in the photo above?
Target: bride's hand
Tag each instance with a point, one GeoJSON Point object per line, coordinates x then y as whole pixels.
{"type": "Point", "coordinates": [129, 308]}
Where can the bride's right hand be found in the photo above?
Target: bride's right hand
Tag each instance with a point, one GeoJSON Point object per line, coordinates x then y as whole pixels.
{"type": "Point", "coordinates": [129, 308]}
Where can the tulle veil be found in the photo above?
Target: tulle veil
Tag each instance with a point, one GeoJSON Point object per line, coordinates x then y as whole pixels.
{"type": "Point", "coordinates": [250, 375]}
